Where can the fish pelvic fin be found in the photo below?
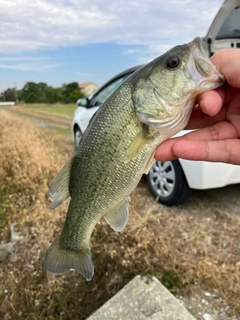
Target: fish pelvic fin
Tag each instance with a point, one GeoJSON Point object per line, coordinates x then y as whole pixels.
{"type": "Point", "coordinates": [59, 190]}
{"type": "Point", "coordinates": [59, 260]}
{"type": "Point", "coordinates": [118, 218]}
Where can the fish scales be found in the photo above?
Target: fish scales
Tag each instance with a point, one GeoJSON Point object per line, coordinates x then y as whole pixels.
{"type": "Point", "coordinates": [96, 148]}
{"type": "Point", "coordinates": [103, 147]}
{"type": "Point", "coordinates": [118, 146]}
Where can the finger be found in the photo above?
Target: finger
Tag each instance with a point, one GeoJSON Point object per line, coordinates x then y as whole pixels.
{"type": "Point", "coordinates": [220, 131]}
{"type": "Point", "coordinates": [227, 151]}
{"type": "Point", "coordinates": [211, 101]}
{"type": "Point", "coordinates": [164, 151]}
{"type": "Point", "coordinates": [199, 119]}
{"type": "Point", "coordinates": [233, 114]}
{"type": "Point", "coordinates": [227, 62]}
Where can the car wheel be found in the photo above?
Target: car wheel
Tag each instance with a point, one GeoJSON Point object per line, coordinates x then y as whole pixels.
{"type": "Point", "coordinates": [167, 182]}
{"type": "Point", "coordinates": [77, 136]}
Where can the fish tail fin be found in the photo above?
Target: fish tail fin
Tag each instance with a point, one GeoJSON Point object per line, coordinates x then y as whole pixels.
{"type": "Point", "coordinates": [59, 260]}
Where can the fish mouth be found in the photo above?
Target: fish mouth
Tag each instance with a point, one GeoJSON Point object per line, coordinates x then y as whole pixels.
{"type": "Point", "coordinates": [202, 69]}
{"type": "Point", "coordinates": [197, 47]}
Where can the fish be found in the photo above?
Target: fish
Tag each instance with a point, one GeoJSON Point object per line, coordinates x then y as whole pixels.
{"type": "Point", "coordinates": [118, 147]}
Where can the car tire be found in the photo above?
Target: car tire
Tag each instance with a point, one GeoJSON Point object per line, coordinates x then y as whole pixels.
{"type": "Point", "coordinates": [167, 182]}
{"type": "Point", "coordinates": [77, 136]}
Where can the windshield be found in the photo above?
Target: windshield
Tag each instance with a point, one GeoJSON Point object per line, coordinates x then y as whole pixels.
{"type": "Point", "coordinates": [105, 93]}
{"type": "Point", "coordinates": [231, 26]}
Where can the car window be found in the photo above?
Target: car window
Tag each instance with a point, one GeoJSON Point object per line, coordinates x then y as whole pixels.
{"type": "Point", "coordinates": [231, 26]}
{"type": "Point", "coordinates": [105, 92]}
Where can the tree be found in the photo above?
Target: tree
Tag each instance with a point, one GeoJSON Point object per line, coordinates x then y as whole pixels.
{"type": "Point", "coordinates": [53, 95]}
{"type": "Point", "coordinates": [71, 92]}
{"type": "Point", "coordinates": [42, 93]}
{"type": "Point", "coordinates": [9, 95]}
{"type": "Point", "coordinates": [29, 92]}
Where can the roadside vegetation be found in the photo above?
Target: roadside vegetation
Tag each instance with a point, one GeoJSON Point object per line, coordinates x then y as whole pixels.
{"type": "Point", "coordinates": [53, 109]}
{"type": "Point", "coordinates": [56, 117]}
{"type": "Point", "coordinates": [196, 244]}
{"type": "Point", "coordinates": [42, 93]}
{"type": "Point", "coordinates": [59, 110]}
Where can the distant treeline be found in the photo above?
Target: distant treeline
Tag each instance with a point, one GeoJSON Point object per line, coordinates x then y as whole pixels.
{"type": "Point", "coordinates": [42, 93]}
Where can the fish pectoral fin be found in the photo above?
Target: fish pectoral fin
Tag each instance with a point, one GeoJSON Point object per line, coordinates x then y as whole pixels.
{"type": "Point", "coordinates": [59, 190]}
{"type": "Point", "coordinates": [148, 164]}
{"type": "Point", "coordinates": [118, 218]}
{"type": "Point", "coordinates": [136, 146]}
{"type": "Point", "coordinates": [59, 260]}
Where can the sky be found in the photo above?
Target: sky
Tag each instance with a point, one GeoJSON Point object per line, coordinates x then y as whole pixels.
{"type": "Point", "coordinates": [61, 41]}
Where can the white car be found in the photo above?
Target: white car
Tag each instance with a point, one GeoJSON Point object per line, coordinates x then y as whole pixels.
{"type": "Point", "coordinates": [171, 182]}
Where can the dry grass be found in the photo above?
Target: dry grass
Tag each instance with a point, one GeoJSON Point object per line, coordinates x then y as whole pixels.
{"type": "Point", "coordinates": [178, 245]}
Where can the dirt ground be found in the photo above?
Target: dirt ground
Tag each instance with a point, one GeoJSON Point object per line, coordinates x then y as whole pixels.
{"type": "Point", "coordinates": [203, 299]}
{"type": "Point", "coordinates": [193, 248]}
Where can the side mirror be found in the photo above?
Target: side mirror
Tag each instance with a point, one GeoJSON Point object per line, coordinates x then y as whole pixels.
{"type": "Point", "coordinates": [84, 102]}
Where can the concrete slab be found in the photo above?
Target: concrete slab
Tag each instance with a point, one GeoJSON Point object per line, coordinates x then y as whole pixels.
{"type": "Point", "coordinates": [142, 298]}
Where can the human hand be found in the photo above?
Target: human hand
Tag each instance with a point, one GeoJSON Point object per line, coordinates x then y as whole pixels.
{"type": "Point", "coordinates": [218, 116]}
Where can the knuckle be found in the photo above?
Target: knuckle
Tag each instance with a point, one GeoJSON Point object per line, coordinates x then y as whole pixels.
{"type": "Point", "coordinates": [214, 132]}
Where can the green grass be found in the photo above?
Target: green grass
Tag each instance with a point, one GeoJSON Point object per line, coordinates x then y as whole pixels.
{"type": "Point", "coordinates": [169, 278]}
{"type": "Point", "coordinates": [48, 111]}
{"type": "Point", "coordinates": [59, 109]}
{"type": "Point", "coordinates": [65, 132]}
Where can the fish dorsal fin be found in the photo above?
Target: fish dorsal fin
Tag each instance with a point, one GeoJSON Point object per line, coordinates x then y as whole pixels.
{"type": "Point", "coordinates": [59, 190]}
{"type": "Point", "coordinates": [118, 218]}
{"type": "Point", "coordinates": [136, 146]}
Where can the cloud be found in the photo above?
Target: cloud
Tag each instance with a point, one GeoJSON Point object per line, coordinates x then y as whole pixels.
{"type": "Point", "coordinates": [37, 67]}
{"type": "Point", "coordinates": [25, 58]}
{"type": "Point", "coordinates": [132, 51]}
{"type": "Point", "coordinates": [43, 24]}
{"type": "Point", "coordinates": [28, 63]}
{"type": "Point", "coordinates": [148, 53]}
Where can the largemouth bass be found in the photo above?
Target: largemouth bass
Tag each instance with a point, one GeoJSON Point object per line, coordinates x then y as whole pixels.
{"type": "Point", "coordinates": [118, 146]}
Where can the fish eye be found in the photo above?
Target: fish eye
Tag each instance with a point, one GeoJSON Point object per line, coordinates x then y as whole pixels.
{"type": "Point", "coordinates": [173, 62]}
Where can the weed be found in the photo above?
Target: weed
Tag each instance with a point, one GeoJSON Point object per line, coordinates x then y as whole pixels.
{"type": "Point", "coordinates": [176, 245]}
{"type": "Point", "coordinates": [170, 279]}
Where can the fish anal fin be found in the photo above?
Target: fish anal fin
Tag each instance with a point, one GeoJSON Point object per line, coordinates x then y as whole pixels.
{"type": "Point", "coordinates": [59, 260]}
{"type": "Point", "coordinates": [118, 218]}
{"type": "Point", "coordinates": [59, 190]}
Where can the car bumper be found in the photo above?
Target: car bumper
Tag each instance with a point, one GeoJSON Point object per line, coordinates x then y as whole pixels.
{"type": "Point", "coordinates": [208, 175]}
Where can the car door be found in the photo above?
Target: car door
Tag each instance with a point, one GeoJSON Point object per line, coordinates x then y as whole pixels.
{"type": "Point", "coordinates": [224, 31]}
